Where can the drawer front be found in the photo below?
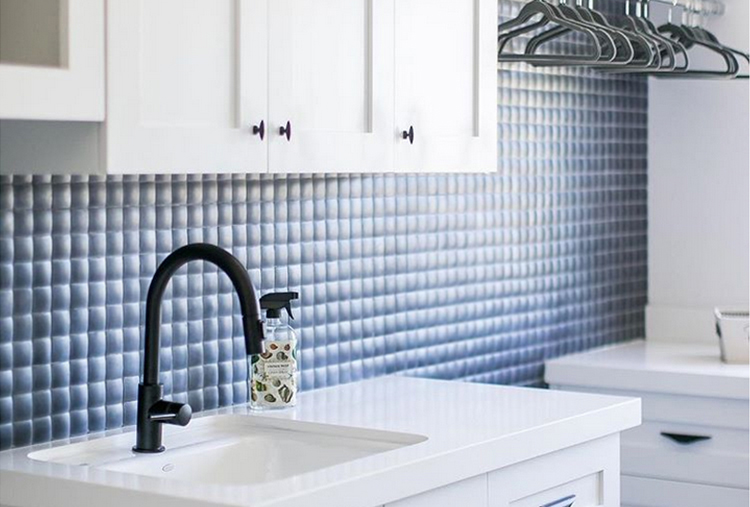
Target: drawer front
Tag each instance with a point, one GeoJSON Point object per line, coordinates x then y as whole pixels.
{"type": "Point", "coordinates": [691, 453]}
{"type": "Point", "coordinates": [583, 492]}
{"type": "Point", "coordinates": [645, 492]}
{"type": "Point", "coordinates": [703, 411]}
{"type": "Point", "coordinates": [586, 475]}
{"type": "Point", "coordinates": [468, 493]}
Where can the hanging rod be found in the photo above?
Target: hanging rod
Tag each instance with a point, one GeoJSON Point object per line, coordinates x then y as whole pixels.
{"type": "Point", "coordinates": [702, 7]}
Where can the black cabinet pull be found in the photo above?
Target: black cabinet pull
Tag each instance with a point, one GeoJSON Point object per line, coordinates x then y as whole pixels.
{"type": "Point", "coordinates": [260, 129]}
{"type": "Point", "coordinates": [685, 439]}
{"type": "Point", "coordinates": [286, 131]}
{"type": "Point", "coordinates": [567, 501]}
{"type": "Point", "coordinates": [408, 134]}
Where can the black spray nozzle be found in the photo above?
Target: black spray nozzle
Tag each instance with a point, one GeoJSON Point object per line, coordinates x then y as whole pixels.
{"type": "Point", "coordinates": [274, 302]}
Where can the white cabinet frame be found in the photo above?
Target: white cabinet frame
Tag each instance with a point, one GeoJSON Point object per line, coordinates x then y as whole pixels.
{"type": "Point", "coordinates": [72, 91]}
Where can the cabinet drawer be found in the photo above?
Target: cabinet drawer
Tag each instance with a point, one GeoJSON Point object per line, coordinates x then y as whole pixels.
{"type": "Point", "coordinates": [583, 492]}
{"type": "Point", "coordinates": [644, 492]}
{"type": "Point", "coordinates": [692, 453]}
{"type": "Point", "coordinates": [586, 475]}
{"type": "Point", "coordinates": [703, 411]}
{"type": "Point", "coordinates": [467, 493]}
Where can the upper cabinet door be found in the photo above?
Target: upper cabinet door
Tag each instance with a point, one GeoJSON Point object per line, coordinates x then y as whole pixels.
{"type": "Point", "coordinates": [331, 80]}
{"type": "Point", "coordinates": [186, 84]}
{"type": "Point", "coordinates": [52, 59]}
{"type": "Point", "coordinates": [446, 85]}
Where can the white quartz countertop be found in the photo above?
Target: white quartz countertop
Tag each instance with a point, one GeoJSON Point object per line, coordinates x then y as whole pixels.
{"type": "Point", "coordinates": [471, 429]}
{"type": "Point", "coordinates": [654, 366]}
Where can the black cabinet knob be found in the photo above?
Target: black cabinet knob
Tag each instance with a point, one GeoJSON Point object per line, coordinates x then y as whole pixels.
{"type": "Point", "coordinates": [260, 129]}
{"type": "Point", "coordinates": [408, 134]}
{"type": "Point", "coordinates": [286, 131]}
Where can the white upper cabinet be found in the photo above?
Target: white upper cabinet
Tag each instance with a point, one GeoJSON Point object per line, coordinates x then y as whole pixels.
{"type": "Point", "coordinates": [186, 84]}
{"type": "Point", "coordinates": [446, 85]}
{"type": "Point", "coordinates": [248, 86]}
{"type": "Point", "coordinates": [331, 79]}
{"type": "Point", "coordinates": [52, 60]}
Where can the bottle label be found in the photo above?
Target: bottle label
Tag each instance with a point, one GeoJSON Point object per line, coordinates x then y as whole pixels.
{"type": "Point", "coordinates": [278, 368]}
{"type": "Point", "coordinates": [273, 375]}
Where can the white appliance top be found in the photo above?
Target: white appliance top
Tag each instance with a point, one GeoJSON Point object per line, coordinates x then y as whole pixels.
{"type": "Point", "coordinates": [653, 366]}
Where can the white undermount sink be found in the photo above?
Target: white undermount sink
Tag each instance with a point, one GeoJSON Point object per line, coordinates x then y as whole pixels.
{"type": "Point", "coordinates": [233, 450]}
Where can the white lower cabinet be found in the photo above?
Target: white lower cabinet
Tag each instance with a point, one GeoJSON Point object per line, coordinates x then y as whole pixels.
{"type": "Point", "coordinates": [690, 450]}
{"type": "Point", "coordinates": [689, 453]}
{"type": "Point", "coordinates": [467, 493]}
{"type": "Point", "coordinates": [646, 492]}
{"type": "Point", "coordinates": [585, 475]}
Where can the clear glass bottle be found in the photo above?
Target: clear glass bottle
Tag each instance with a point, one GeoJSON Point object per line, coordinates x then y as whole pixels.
{"type": "Point", "coordinates": [273, 375]}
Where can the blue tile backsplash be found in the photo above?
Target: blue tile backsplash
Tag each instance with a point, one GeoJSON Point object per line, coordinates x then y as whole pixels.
{"type": "Point", "coordinates": [472, 277]}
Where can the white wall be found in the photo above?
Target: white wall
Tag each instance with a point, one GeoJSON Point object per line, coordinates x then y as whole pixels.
{"type": "Point", "coordinates": [698, 195]}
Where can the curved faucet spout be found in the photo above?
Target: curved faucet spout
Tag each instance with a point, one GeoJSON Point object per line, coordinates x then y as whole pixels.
{"type": "Point", "coordinates": [152, 410]}
{"type": "Point", "coordinates": [251, 321]}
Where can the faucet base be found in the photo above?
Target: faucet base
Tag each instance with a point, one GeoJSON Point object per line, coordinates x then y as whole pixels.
{"type": "Point", "coordinates": [149, 451]}
{"type": "Point", "coordinates": [148, 432]}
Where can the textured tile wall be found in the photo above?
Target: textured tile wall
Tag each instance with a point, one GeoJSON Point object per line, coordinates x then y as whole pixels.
{"type": "Point", "coordinates": [474, 277]}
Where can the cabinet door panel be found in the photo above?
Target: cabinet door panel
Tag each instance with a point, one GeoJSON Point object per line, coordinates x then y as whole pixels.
{"type": "Point", "coordinates": [330, 75]}
{"type": "Point", "coordinates": [187, 80]}
{"type": "Point", "coordinates": [467, 493]}
{"type": "Point", "coordinates": [52, 59]}
{"type": "Point", "coordinates": [446, 84]}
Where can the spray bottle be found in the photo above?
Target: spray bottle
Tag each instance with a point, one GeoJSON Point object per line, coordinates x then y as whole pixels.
{"type": "Point", "coordinates": [273, 375]}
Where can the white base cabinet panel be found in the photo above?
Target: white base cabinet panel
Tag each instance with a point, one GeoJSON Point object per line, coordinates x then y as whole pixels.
{"type": "Point", "coordinates": [647, 492]}
{"type": "Point", "coordinates": [690, 453]}
{"type": "Point", "coordinates": [467, 493]}
{"type": "Point", "coordinates": [585, 475]}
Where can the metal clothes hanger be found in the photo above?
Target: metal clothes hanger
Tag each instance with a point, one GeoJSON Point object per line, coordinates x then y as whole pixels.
{"type": "Point", "coordinates": [743, 55]}
{"type": "Point", "coordinates": [605, 36]}
{"type": "Point", "coordinates": [689, 38]}
{"type": "Point", "coordinates": [702, 32]}
{"type": "Point", "coordinates": [623, 44]}
{"type": "Point", "coordinates": [631, 23]}
{"type": "Point", "coordinates": [668, 48]}
{"type": "Point", "coordinates": [549, 14]}
{"type": "Point", "coordinates": [623, 41]}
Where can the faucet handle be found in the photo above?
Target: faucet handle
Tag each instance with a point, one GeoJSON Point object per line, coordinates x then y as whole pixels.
{"type": "Point", "coordinates": [169, 412]}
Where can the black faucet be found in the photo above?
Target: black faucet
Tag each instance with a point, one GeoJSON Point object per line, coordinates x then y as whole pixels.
{"type": "Point", "coordinates": [153, 411]}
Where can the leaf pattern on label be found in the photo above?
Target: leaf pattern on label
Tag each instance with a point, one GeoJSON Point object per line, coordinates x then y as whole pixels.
{"type": "Point", "coordinates": [286, 394]}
